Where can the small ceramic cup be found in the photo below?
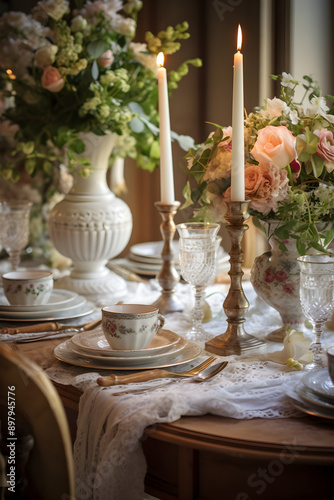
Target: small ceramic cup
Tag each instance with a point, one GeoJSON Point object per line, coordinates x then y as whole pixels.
{"type": "Point", "coordinates": [27, 288]}
{"type": "Point", "coordinates": [330, 355]}
{"type": "Point", "coordinates": [131, 326]}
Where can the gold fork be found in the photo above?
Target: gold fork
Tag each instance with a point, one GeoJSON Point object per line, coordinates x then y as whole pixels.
{"type": "Point", "coordinates": [151, 374]}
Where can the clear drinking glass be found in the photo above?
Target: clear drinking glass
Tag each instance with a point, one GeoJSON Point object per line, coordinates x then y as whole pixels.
{"type": "Point", "coordinates": [14, 228]}
{"type": "Point", "coordinates": [198, 261]}
{"type": "Point", "coordinates": [317, 297]}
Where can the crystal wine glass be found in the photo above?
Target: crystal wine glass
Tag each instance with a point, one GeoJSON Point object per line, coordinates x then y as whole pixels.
{"type": "Point", "coordinates": [197, 253]}
{"type": "Point", "coordinates": [317, 297]}
{"type": "Point", "coordinates": [14, 228]}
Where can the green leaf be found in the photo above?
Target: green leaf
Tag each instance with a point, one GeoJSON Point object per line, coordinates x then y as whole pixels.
{"type": "Point", "coordinates": [317, 165]}
{"type": "Point", "coordinates": [77, 146]}
{"type": "Point", "coordinates": [97, 48]}
{"type": "Point", "coordinates": [257, 223]}
{"type": "Point", "coordinates": [95, 71]}
{"type": "Point", "coordinates": [186, 192]}
{"type": "Point", "coordinates": [301, 248]}
{"type": "Point", "coordinates": [329, 236]}
{"type": "Point", "coordinates": [137, 125]}
{"type": "Point", "coordinates": [282, 232]}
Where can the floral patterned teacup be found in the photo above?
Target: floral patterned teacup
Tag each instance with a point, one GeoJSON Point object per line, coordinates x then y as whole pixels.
{"type": "Point", "coordinates": [131, 326]}
{"type": "Point", "coordinates": [28, 288]}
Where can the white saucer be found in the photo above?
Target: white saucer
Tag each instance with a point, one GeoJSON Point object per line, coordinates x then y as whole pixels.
{"type": "Point", "coordinates": [73, 305]}
{"type": "Point", "coordinates": [188, 353]}
{"type": "Point", "coordinates": [75, 312]}
{"type": "Point", "coordinates": [152, 249]}
{"type": "Point", "coordinates": [311, 409]}
{"type": "Point", "coordinates": [57, 300]}
{"type": "Point", "coordinates": [128, 361]}
{"type": "Point", "coordinates": [313, 400]}
{"type": "Point", "coordinates": [95, 343]}
{"type": "Point", "coordinates": [319, 382]}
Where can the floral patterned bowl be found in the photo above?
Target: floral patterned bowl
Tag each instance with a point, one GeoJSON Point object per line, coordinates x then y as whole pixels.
{"type": "Point", "coordinates": [28, 288]}
{"type": "Point", "coordinates": [131, 326]}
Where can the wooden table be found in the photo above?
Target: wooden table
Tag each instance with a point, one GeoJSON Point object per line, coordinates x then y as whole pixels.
{"type": "Point", "coordinates": [213, 458]}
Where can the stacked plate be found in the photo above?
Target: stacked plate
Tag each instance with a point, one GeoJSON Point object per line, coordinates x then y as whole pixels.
{"type": "Point", "coordinates": [91, 349]}
{"type": "Point", "coordinates": [316, 394]}
{"type": "Point", "coordinates": [63, 304]}
{"type": "Point", "coordinates": [145, 258]}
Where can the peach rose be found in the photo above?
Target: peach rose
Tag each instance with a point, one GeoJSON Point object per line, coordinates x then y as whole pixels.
{"type": "Point", "coordinates": [106, 59]}
{"type": "Point", "coordinates": [276, 145]}
{"type": "Point", "coordinates": [326, 148]}
{"type": "Point", "coordinates": [52, 80]}
{"type": "Point", "coordinates": [265, 185]}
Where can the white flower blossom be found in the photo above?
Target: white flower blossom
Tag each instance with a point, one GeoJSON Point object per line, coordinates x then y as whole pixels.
{"type": "Point", "coordinates": [45, 56]}
{"type": "Point", "coordinates": [55, 9]}
{"type": "Point", "coordinates": [287, 80]}
{"type": "Point", "coordinates": [275, 108]}
{"type": "Point", "coordinates": [295, 347]}
{"type": "Point", "coordinates": [141, 54]}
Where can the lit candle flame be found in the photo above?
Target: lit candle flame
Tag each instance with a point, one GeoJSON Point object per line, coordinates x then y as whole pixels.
{"type": "Point", "coordinates": [239, 39]}
{"type": "Point", "coordinates": [160, 59]}
{"type": "Point", "coordinates": [10, 74]}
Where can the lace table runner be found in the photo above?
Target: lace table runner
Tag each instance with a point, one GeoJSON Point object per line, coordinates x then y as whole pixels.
{"type": "Point", "coordinates": [109, 460]}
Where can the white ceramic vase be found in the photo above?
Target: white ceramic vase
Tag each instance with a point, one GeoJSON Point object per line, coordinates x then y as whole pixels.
{"type": "Point", "coordinates": [91, 225]}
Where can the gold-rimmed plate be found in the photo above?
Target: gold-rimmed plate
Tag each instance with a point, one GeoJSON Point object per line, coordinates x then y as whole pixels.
{"type": "Point", "coordinates": [189, 352]}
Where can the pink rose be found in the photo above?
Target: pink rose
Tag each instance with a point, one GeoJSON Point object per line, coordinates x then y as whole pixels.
{"type": "Point", "coordinates": [281, 276]}
{"type": "Point", "coordinates": [269, 275]}
{"type": "Point", "coordinates": [289, 288]}
{"type": "Point", "coordinates": [106, 59]}
{"type": "Point", "coordinates": [52, 80]}
{"type": "Point", "coordinates": [275, 145]}
{"type": "Point", "coordinates": [326, 148]}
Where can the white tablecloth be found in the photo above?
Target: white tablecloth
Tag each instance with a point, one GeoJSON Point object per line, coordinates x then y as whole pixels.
{"type": "Point", "coordinates": [108, 456]}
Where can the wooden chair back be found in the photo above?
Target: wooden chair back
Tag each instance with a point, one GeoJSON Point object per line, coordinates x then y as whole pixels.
{"type": "Point", "coordinates": [50, 470]}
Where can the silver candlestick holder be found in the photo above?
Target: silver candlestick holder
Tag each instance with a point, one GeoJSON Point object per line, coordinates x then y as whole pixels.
{"type": "Point", "coordinates": [168, 277]}
{"type": "Point", "coordinates": [235, 340]}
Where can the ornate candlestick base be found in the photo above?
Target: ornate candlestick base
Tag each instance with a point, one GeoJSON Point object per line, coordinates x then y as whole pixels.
{"type": "Point", "coordinates": [168, 277]}
{"type": "Point", "coordinates": [235, 340]}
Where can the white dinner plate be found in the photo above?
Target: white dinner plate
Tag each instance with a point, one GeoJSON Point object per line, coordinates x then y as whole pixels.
{"type": "Point", "coordinates": [74, 304]}
{"type": "Point", "coordinates": [134, 361]}
{"type": "Point", "coordinates": [152, 249]}
{"type": "Point", "coordinates": [319, 382]}
{"type": "Point", "coordinates": [188, 353]}
{"type": "Point", "coordinates": [75, 312]}
{"type": "Point", "coordinates": [313, 399]}
{"type": "Point", "coordinates": [58, 299]}
{"type": "Point", "coordinates": [95, 343]}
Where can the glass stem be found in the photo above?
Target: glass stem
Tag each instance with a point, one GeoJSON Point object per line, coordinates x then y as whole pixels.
{"type": "Point", "coordinates": [316, 346]}
{"type": "Point", "coordinates": [198, 310]}
{"type": "Point", "coordinates": [14, 258]}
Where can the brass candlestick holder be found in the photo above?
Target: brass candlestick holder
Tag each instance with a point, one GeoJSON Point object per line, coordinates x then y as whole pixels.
{"type": "Point", "coordinates": [168, 277]}
{"type": "Point", "coordinates": [235, 340]}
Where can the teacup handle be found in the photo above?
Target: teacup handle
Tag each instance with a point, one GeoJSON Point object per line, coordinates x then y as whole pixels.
{"type": "Point", "coordinates": [160, 322]}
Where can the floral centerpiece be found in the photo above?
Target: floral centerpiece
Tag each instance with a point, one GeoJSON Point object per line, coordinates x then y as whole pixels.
{"type": "Point", "coordinates": [64, 72]}
{"type": "Point", "coordinates": [289, 169]}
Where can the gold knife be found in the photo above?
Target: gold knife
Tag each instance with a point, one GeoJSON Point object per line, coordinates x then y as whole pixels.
{"type": "Point", "coordinates": [50, 327]}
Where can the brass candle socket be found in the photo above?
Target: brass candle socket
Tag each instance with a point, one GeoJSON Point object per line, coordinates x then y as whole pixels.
{"type": "Point", "coordinates": [168, 277]}
{"type": "Point", "coordinates": [235, 340]}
